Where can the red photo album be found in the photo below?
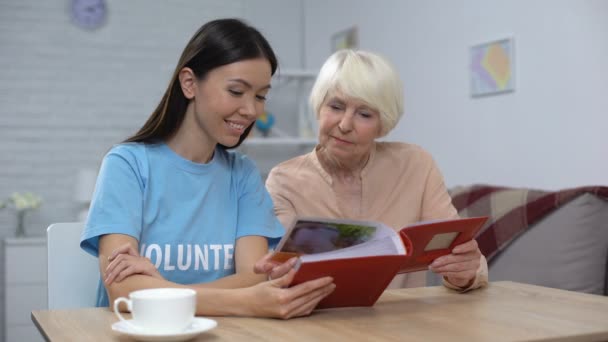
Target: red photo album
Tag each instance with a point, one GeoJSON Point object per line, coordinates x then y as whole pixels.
{"type": "Point", "coordinates": [363, 257]}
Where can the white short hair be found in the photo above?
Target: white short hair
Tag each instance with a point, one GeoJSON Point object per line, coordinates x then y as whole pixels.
{"type": "Point", "coordinates": [364, 76]}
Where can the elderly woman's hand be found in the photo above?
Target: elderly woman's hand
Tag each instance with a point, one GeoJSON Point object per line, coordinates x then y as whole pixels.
{"type": "Point", "coordinates": [460, 267]}
{"type": "Point", "coordinates": [272, 268]}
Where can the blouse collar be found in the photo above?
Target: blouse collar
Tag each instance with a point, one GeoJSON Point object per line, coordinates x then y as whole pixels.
{"type": "Point", "coordinates": [314, 158]}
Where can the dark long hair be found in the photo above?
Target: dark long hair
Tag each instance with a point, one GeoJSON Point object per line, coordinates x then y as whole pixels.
{"type": "Point", "coordinates": [217, 43]}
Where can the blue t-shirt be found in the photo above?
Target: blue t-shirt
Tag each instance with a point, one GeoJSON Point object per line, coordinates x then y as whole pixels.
{"type": "Point", "coordinates": [186, 216]}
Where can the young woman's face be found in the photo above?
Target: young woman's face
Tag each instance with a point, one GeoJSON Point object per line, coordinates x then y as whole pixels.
{"type": "Point", "coordinates": [230, 98]}
{"type": "Point", "coordinates": [347, 127]}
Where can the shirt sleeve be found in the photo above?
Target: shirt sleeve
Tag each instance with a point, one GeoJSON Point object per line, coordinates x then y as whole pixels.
{"type": "Point", "coordinates": [117, 203]}
{"type": "Point", "coordinates": [283, 208]}
{"type": "Point", "coordinates": [256, 214]}
{"type": "Point", "coordinates": [436, 202]}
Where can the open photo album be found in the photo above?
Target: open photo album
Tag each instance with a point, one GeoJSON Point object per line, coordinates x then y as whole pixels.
{"type": "Point", "coordinates": [364, 256]}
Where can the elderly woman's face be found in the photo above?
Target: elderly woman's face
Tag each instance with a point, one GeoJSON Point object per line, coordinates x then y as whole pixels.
{"type": "Point", "coordinates": [347, 126]}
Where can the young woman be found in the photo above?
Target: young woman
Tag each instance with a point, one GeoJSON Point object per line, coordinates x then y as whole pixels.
{"type": "Point", "coordinates": [173, 207]}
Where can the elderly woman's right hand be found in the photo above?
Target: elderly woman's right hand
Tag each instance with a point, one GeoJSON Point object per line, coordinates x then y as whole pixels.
{"type": "Point", "coordinates": [273, 269]}
{"type": "Point", "coordinates": [274, 298]}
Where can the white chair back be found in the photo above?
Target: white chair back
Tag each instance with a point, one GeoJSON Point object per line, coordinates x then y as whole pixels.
{"type": "Point", "coordinates": [73, 274]}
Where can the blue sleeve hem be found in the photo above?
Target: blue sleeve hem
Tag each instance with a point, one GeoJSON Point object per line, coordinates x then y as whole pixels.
{"type": "Point", "coordinates": [90, 238]}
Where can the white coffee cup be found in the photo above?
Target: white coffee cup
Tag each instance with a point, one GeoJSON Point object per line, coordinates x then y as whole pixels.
{"type": "Point", "coordinates": [159, 311]}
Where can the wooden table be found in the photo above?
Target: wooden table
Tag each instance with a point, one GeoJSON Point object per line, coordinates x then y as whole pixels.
{"type": "Point", "coordinates": [505, 311]}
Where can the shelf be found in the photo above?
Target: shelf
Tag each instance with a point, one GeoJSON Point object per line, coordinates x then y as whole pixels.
{"type": "Point", "coordinates": [279, 141]}
{"type": "Point", "coordinates": [26, 240]}
{"type": "Point", "coordinates": [295, 73]}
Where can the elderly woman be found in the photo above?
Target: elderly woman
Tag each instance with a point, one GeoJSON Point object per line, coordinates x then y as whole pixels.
{"type": "Point", "coordinates": [358, 98]}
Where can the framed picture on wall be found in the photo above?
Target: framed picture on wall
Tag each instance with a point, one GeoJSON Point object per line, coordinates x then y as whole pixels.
{"type": "Point", "coordinates": [347, 39]}
{"type": "Point", "coordinates": [492, 67]}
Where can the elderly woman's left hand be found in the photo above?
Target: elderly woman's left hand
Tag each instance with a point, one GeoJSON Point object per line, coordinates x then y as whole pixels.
{"type": "Point", "coordinates": [459, 267]}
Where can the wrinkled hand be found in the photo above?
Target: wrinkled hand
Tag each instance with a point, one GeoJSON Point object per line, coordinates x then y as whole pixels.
{"type": "Point", "coordinates": [272, 268]}
{"type": "Point", "coordinates": [460, 267]}
{"type": "Point", "coordinates": [274, 299]}
{"type": "Point", "coordinates": [126, 261]}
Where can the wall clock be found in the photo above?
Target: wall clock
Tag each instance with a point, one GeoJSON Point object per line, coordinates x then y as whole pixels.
{"type": "Point", "coordinates": [88, 14]}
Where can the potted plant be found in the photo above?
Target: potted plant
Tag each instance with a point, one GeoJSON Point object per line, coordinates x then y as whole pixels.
{"type": "Point", "coordinates": [22, 203]}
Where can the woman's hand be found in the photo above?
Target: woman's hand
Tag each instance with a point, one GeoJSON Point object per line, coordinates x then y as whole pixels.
{"type": "Point", "coordinates": [460, 267]}
{"type": "Point", "coordinates": [273, 298]}
{"type": "Point", "coordinates": [126, 261]}
{"type": "Point", "coordinates": [272, 268]}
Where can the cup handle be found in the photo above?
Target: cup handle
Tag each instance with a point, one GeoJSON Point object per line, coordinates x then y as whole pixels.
{"type": "Point", "coordinates": [119, 315]}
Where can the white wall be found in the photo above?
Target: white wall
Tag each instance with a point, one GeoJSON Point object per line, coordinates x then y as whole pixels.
{"type": "Point", "coordinates": [550, 133]}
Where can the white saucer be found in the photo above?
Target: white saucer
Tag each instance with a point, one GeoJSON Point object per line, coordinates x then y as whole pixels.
{"type": "Point", "coordinates": [198, 326]}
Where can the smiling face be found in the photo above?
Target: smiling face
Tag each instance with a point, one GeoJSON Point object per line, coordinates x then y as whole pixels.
{"type": "Point", "coordinates": [228, 100]}
{"type": "Point", "coordinates": [347, 128]}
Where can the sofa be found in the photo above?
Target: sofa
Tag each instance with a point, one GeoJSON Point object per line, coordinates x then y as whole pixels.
{"type": "Point", "coordinates": [556, 239]}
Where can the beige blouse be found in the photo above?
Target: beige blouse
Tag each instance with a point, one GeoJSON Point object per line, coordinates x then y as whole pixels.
{"type": "Point", "coordinates": [401, 184]}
